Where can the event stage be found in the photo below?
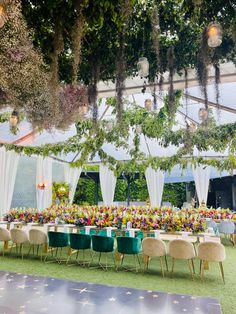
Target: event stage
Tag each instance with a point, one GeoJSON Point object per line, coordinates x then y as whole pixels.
{"type": "Point", "coordinates": [24, 294]}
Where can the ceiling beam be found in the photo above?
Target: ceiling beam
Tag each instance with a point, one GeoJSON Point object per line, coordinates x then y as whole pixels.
{"type": "Point", "coordinates": [211, 103]}
{"type": "Point", "coordinates": [25, 137]}
{"type": "Point", "coordinates": [109, 89]}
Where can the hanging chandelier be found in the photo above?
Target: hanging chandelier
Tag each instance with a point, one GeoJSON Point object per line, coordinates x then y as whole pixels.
{"type": "Point", "coordinates": [143, 67]}
{"type": "Point", "coordinates": [148, 104]}
{"type": "Point", "coordinates": [214, 33]}
{"type": "Point", "coordinates": [203, 114]}
{"type": "Point", "coordinates": [138, 129]}
{"type": "Point", "coordinates": [13, 121]}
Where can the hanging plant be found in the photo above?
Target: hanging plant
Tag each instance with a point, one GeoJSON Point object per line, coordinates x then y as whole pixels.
{"type": "Point", "coordinates": [197, 3]}
{"type": "Point", "coordinates": [217, 82]}
{"type": "Point", "coordinates": [77, 36]}
{"type": "Point", "coordinates": [4, 117]}
{"type": "Point", "coordinates": [58, 46]}
{"type": "Point", "coordinates": [202, 64]}
{"type": "Point", "coordinates": [156, 34]}
{"type": "Point", "coordinates": [125, 12]}
{"type": "Point", "coordinates": [234, 30]}
{"type": "Point", "coordinates": [92, 91]}
{"type": "Point", "coordinates": [18, 54]}
{"type": "Point", "coordinates": [171, 97]}
{"type": "Point", "coordinates": [23, 74]}
{"type": "Point", "coordinates": [120, 78]}
{"type": "Point", "coordinates": [186, 92]}
{"type": "Point", "coordinates": [156, 46]}
{"type": "Point", "coordinates": [73, 104]}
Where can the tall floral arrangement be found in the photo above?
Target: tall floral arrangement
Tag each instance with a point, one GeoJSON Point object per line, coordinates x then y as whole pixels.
{"type": "Point", "coordinates": [23, 74]}
{"type": "Point", "coordinates": [27, 84]}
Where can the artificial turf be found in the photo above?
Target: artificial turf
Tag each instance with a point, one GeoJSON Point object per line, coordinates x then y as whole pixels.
{"type": "Point", "coordinates": [180, 283]}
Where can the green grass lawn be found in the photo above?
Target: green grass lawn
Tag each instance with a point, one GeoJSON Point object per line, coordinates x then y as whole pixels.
{"type": "Point", "coordinates": [152, 280]}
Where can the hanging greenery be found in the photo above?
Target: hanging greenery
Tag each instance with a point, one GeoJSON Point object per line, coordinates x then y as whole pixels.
{"type": "Point", "coordinates": [154, 125]}
{"type": "Point", "coordinates": [125, 12]}
{"type": "Point", "coordinates": [4, 117]}
{"type": "Point", "coordinates": [217, 82]}
{"type": "Point", "coordinates": [202, 64]}
{"type": "Point", "coordinates": [77, 36]}
{"type": "Point", "coordinates": [171, 66]}
{"type": "Point", "coordinates": [23, 74]}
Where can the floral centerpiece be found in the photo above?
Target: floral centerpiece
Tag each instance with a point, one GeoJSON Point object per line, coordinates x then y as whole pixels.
{"type": "Point", "coordinates": [143, 218]}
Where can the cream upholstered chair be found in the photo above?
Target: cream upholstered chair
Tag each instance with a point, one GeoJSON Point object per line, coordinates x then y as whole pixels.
{"type": "Point", "coordinates": [19, 237]}
{"type": "Point", "coordinates": [5, 236]}
{"type": "Point", "coordinates": [211, 252]}
{"type": "Point", "coordinates": [153, 247]}
{"type": "Point", "coordinates": [37, 238]}
{"type": "Point", "coordinates": [182, 249]}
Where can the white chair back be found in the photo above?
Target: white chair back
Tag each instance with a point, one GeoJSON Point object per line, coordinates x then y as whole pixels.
{"type": "Point", "coordinates": [153, 247]}
{"type": "Point", "coordinates": [211, 251]}
{"type": "Point", "coordinates": [4, 234]}
{"type": "Point", "coordinates": [37, 237]}
{"type": "Point", "coordinates": [181, 249]}
{"type": "Point", "coordinates": [19, 236]}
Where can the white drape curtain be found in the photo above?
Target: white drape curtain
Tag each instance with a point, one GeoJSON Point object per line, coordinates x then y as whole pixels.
{"type": "Point", "coordinates": [8, 168]}
{"type": "Point", "coordinates": [108, 184]}
{"type": "Point", "coordinates": [155, 184]}
{"type": "Point", "coordinates": [71, 176]}
{"type": "Point", "coordinates": [44, 175]}
{"type": "Point", "coordinates": [201, 176]}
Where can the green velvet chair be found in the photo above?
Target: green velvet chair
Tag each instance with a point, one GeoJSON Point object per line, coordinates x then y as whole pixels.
{"type": "Point", "coordinates": [79, 242]}
{"type": "Point", "coordinates": [102, 245]}
{"type": "Point", "coordinates": [57, 240]}
{"type": "Point", "coordinates": [129, 246]}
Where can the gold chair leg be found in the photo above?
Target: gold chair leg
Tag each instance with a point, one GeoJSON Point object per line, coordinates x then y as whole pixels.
{"type": "Point", "coordinates": [193, 266]}
{"type": "Point", "coordinates": [190, 268]}
{"type": "Point", "coordinates": [41, 255]}
{"type": "Point", "coordinates": [222, 271]}
{"type": "Point", "coordinates": [145, 259]}
{"type": "Point", "coordinates": [166, 263]}
{"type": "Point", "coordinates": [21, 251]}
{"type": "Point", "coordinates": [162, 270]}
{"type": "Point", "coordinates": [200, 267]}
{"type": "Point", "coordinates": [202, 270]}
{"type": "Point", "coordinates": [172, 266]}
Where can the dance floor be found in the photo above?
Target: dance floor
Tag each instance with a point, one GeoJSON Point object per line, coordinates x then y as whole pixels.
{"type": "Point", "coordinates": [23, 294]}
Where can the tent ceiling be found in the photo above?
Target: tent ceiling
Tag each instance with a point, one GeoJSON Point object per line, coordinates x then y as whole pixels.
{"type": "Point", "coordinates": [134, 85]}
{"type": "Point", "coordinates": [226, 113]}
